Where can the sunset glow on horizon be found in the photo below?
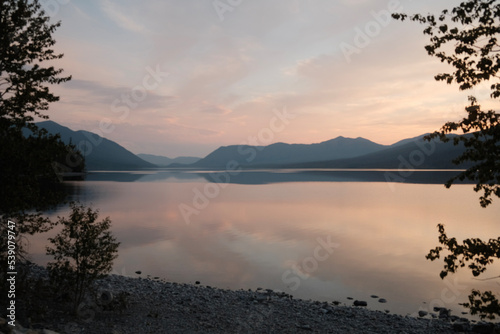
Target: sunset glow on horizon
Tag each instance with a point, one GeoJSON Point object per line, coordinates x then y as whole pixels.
{"type": "Point", "coordinates": [181, 78]}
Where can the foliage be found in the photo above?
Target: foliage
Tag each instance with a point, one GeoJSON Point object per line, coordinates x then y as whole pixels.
{"type": "Point", "coordinates": [474, 250]}
{"type": "Point", "coordinates": [481, 147]}
{"type": "Point", "coordinates": [471, 32]}
{"type": "Point", "coordinates": [28, 179]}
{"type": "Point", "coordinates": [478, 254]}
{"type": "Point", "coordinates": [467, 38]}
{"type": "Point", "coordinates": [26, 161]}
{"type": "Point", "coordinates": [485, 304]}
{"type": "Point", "coordinates": [29, 183]}
{"type": "Point", "coordinates": [25, 43]}
{"type": "Point", "coordinates": [26, 174]}
{"type": "Point", "coordinates": [83, 251]}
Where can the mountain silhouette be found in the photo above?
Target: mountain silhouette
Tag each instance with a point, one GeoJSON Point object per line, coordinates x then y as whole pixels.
{"type": "Point", "coordinates": [413, 153]}
{"type": "Point", "coordinates": [281, 153]}
{"type": "Point", "coordinates": [163, 161]}
{"type": "Point", "coordinates": [100, 153]}
{"type": "Point", "coordinates": [341, 152]}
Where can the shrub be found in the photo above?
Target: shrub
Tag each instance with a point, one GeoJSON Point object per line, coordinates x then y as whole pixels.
{"type": "Point", "coordinates": [84, 251]}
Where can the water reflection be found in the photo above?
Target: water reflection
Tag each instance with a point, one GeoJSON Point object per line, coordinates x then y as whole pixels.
{"type": "Point", "coordinates": [278, 176]}
{"type": "Point", "coordinates": [265, 235]}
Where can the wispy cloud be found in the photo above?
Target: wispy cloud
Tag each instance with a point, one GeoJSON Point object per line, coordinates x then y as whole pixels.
{"type": "Point", "coordinates": [210, 108]}
{"type": "Point", "coordinates": [96, 92]}
{"type": "Point", "coordinates": [227, 76]}
{"type": "Point", "coordinates": [114, 12]}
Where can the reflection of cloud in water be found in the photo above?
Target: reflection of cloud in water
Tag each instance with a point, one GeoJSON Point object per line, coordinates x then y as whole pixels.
{"type": "Point", "coordinates": [250, 234]}
{"type": "Point", "coordinates": [139, 236]}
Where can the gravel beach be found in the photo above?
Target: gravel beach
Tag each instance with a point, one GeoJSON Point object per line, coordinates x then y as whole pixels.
{"type": "Point", "coordinates": [136, 305]}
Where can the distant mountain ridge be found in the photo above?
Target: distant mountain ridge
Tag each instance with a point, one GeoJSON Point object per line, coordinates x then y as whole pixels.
{"type": "Point", "coordinates": [340, 152]}
{"type": "Point", "coordinates": [414, 153]}
{"type": "Point", "coordinates": [163, 161]}
{"type": "Point", "coordinates": [100, 153]}
{"type": "Point", "coordinates": [281, 153]}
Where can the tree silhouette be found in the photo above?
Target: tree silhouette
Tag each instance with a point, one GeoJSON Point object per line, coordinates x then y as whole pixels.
{"type": "Point", "coordinates": [83, 251]}
{"type": "Point", "coordinates": [27, 153]}
{"type": "Point", "coordinates": [25, 44]}
{"type": "Point", "coordinates": [467, 38]}
{"type": "Point", "coordinates": [28, 183]}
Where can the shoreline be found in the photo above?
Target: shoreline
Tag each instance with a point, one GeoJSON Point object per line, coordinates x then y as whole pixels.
{"type": "Point", "coordinates": [125, 305]}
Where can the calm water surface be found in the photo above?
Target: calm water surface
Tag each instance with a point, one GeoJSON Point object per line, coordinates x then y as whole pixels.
{"type": "Point", "coordinates": [324, 235]}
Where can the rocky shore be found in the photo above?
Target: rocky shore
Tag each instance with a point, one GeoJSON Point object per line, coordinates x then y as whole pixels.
{"type": "Point", "coordinates": [123, 305]}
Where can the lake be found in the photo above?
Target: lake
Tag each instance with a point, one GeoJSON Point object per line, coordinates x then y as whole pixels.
{"type": "Point", "coordinates": [323, 234]}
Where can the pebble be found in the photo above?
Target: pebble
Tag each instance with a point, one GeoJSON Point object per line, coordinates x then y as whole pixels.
{"type": "Point", "coordinates": [306, 327]}
{"type": "Point", "coordinates": [422, 313]}
{"type": "Point", "coordinates": [461, 326]}
{"type": "Point", "coordinates": [444, 313]}
{"type": "Point", "coordinates": [260, 298]}
{"type": "Point", "coordinates": [184, 308]}
{"type": "Point", "coordinates": [19, 329]}
{"type": "Point", "coordinates": [485, 328]}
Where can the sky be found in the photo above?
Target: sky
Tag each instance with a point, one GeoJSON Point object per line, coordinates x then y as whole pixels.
{"type": "Point", "coordinates": [183, 77]}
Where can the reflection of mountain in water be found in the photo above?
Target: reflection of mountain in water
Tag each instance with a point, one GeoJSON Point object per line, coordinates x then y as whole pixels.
{"type": "Point", "coordinates": [280, 176]}
{"type": "Point", "coordinates": [266, 177]}
{"type": "Point", "coordinates": [116, 176]}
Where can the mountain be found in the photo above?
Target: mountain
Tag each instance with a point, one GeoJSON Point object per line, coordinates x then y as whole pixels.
{"type": "Point", "coordinates": [162, 161]}
{"type": "Point", "coordinates": [341, 152]}
{"type": "Point", "coordinates": [100, 153]}
{"type": "Point", "coordinates": [408, 140]}
{"type": "Point", "coordinates": [414, 153]}
{"type": "Point", "coordinates": [410, 153]}
{"type": "Point", "coordinates": [281, 153]}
